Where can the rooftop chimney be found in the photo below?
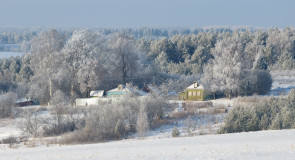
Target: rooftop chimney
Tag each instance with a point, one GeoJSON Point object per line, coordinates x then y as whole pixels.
{"type": "Point", "coordinates": [195, 84]}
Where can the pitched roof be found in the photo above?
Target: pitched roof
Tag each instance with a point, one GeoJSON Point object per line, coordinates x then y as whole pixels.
{"type": "Point", "coordinates": [98, 93]}
{"type": "Point", "coordinates": [124, 88]}
{"type": "Point", "coordinates": [120, 88]}
{"type": "Point", "coordinates": [193, 86]}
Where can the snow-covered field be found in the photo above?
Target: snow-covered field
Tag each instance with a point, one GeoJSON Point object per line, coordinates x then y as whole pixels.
{"type": "Point", "coordinates": [251, 145]}
{"type": "Point", "coordinates": [283, 82]}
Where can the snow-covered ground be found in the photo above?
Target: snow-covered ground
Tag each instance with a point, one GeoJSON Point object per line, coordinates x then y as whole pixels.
{"type": "Point", "coordinates": [8, 128]}
{"type": "Point", "coordinates": [223, 101]}
{"type": "Point", "coordinates": [283, 82]}
{"type": "Point", "coordinates": [251, 145]}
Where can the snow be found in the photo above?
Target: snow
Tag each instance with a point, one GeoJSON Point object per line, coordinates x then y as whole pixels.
{"type": "Point", "coordinates": [283, 82]}
{"type": "Point", "coordinates": [193, 87]}
{"type": "Point", "coordinates": [223, 101]}
{"type": "Point", "coordinates": [251, 145]}
{"type": "Point", "coordinates": [8, 127]}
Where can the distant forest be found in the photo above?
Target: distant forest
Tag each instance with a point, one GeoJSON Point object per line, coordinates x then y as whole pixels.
{"type": "Point", "coordinates": [229, 61]}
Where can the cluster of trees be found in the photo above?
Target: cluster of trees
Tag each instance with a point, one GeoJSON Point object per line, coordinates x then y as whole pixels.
{"type": "Point", "coordinates": [73, 64]}
{"type": "Point", "coordinates": [79, 63]}
{"type": "Point", "coordinates": [14, 72]}
{"type": "Point", "coordinates": [230, 62]}
{"type": "Point", "coordinates": [273, 113]}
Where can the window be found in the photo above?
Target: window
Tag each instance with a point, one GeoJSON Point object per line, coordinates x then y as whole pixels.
{"type": "Point", "coordinates": [189, 93]}
{"type": "Point", "coordinates": [198, 93]}
{"type": "Point", "coordinates": [194, 93]}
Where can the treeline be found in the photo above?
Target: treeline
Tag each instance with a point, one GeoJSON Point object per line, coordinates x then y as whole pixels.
{"type": "Point", "coordinates": [229, 62]}
{"type": "Point", "coordinates": [9, 35]}
{"type": "Point", "coordinates": [15, 37]}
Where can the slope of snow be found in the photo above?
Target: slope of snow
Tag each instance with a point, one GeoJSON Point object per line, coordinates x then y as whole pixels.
{"type": "Point", "coordinates": [252, 145]}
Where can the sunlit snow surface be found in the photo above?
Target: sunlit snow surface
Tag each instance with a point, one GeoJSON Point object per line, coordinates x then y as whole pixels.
{"type": "Point", "coordinates": [251, 145]}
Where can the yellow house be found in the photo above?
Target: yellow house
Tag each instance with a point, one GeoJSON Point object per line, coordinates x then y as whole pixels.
{"type": "Point", "coordinates": [194, 92]}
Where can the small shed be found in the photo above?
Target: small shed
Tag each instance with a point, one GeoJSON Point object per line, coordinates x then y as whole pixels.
{"type": "Point", "coordinates": [194, 92]}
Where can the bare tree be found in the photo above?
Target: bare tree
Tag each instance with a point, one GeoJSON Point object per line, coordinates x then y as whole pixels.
{"type": "Point", "coordinates": [125, 56]}
{"type": "Point", "coordinates": [31, 123]}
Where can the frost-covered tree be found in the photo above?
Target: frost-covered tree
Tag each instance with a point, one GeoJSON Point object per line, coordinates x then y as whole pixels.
{"type": "Point", "coordinates": [260, 62]}
{"type": "Point", "coordinates": [209, 81]}
{"type": "Point", "coordinates": [82, 55]}
{"type": "Point", "coordinates": [161, 62]}
{"type": "Point", "coordinates": [25, 72]}
{"type": "Point", "coordinates": [124, 56]}
{"type": "Point", "coordinates": [45, 61]}
{"type": "Point", "coordinates": [227, 66]}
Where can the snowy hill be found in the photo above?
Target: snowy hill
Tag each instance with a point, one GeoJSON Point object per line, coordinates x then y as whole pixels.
{"type": "Point", "coordinates": [252, 145]}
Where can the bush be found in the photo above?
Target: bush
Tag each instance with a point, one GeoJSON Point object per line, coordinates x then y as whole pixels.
{"type": "Point", "coordinates": [31, 123]}
{"type": "Point", "coordinates": [12, 141]}
{"type": "Point", "coordinates": [175, 132]}
{"type": "Point", "coordinates": [118, 119]}
{"type": "Point", "coordinates": [62, 119]}
{"type": "Point", "coordinates": [9, 140]}
{"type": "Point", "coordinates": [272, 113]}
{"type": "Point", "coordinates": [107, 122]}
{"type": "Point", "coordinates": [154, 107]}
{"type": "Point", "coordinates": [254, 81]}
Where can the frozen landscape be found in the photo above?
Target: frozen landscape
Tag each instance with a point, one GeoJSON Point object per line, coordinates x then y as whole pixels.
{"type": "Point", "coordinates": [252, 145]}
{"type": "Point", "coordinates": [159, 144]}
{"type": "Point", "coordinates": [139, 80]}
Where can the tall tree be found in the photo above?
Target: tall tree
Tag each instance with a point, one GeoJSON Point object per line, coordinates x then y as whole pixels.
{"type": "Point", "coordinates": [45, 59]}
{"type": "Point", "coordinates": [227, 66]}
{"type": "Point", "coordinates": [124, 55]}
{"type": "Point", "coordinates": [82, 54]}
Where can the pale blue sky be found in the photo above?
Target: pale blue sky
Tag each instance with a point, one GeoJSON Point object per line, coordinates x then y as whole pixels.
{"type": "Point", "coordinates": [150, 13]}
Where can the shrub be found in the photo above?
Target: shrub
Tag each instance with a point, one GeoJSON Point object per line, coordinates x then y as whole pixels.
{"type": "Point", "coordinates": [9, 140]}
{"type": "Point", "coordinates": [31, 123]}
{"type": "Point", "coordinates": [254, 81]}
{"type": "Point", "coordinates": [105, 123]}
{"type": "Point", "coordinates": [12, 141]}
{"type": "Point", "coordinates": [175, 132]}
{"type": "Point", "coordinates": [154, 107]}
{"type": "Point", "coordinates": [64, 117]}
{"type": "Point", "coordinates": [118, 119]}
